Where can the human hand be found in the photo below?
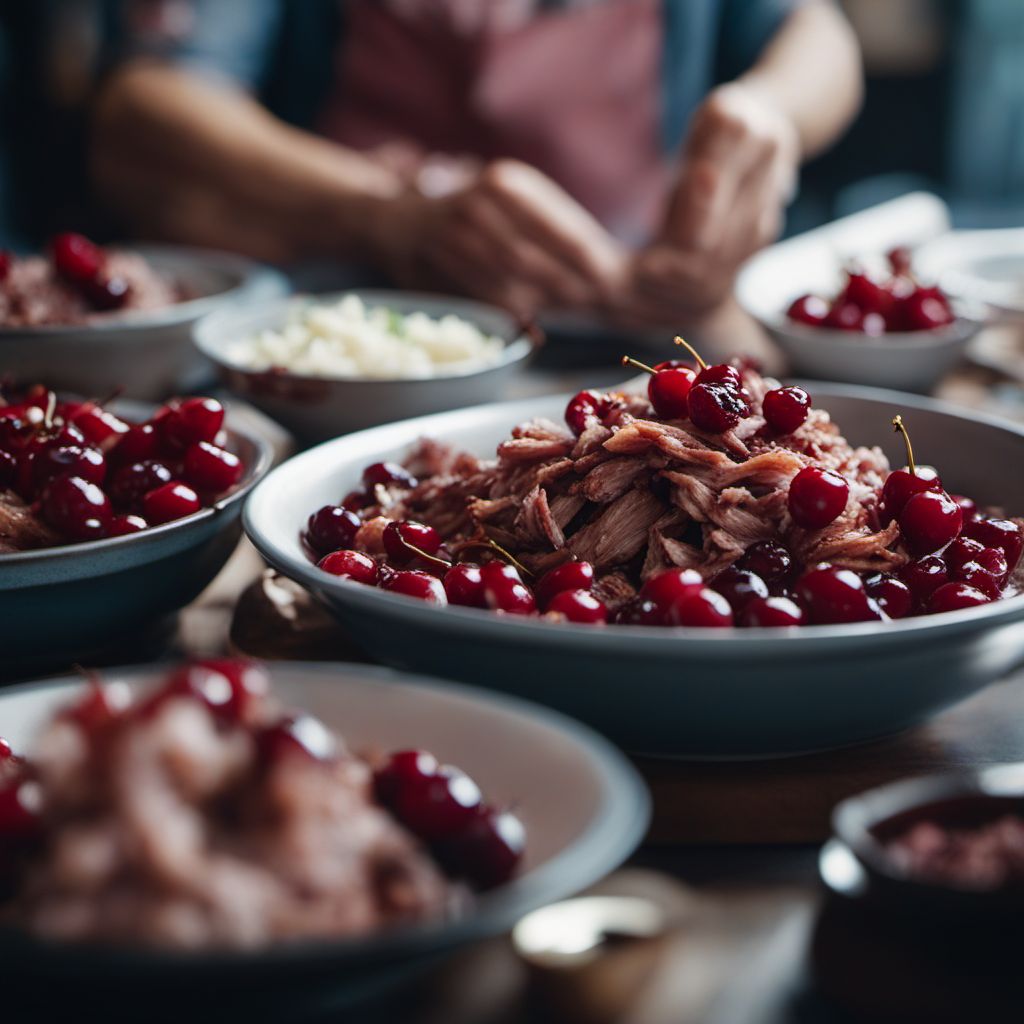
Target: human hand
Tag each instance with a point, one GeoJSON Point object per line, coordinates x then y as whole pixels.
{"type": "Point", "coordinates": [511, 237]}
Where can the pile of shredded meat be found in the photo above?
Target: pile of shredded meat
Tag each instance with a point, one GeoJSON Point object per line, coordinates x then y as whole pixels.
{"type": "Point", "coordinates": [635, 495]}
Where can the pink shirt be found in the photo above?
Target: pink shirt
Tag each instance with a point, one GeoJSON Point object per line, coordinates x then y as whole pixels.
{"type": "Point", "coordinates": [575, 92]}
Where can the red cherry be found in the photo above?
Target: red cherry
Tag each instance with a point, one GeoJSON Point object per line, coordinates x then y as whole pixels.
{"type": "Point", "coordinates": [504, 590]}
{"type": "Point", "coordinates": [404, 769]}
{"type": "Point", "coordinates": [924, 576]}
{"type": "Point", "coordinates": [77, 508]}
{"type": "Point", "coordinates": [301, 734]}
{"type": "Point", "coordinates": [400, 534]}
{"type": "Point", "coordinates": [961, 551]}
{"type": "Point", "coordinates": [464, 585]}
{"type": "Point", "coordinates": [640, 612]}
{"type": "Point", "coordinates": [100, 427]}
{"type": "Point", "coordinates": [901, 485]}
{"type": "Point", "coordinates": [486, 852]}
{"type": "Point", "coordinates": [669, 391]}
{"type": "Point", "coordinates": [579, 606]}
{"type": "Point", "coordinates": [701, 607]}
{"type": "Point", "coordinates": [861, 291]}
{"type": "Point", "coordinates": [97, 707]}
{"type": "Point", "coordinates": [229, 687]}
{"type": "Point", "coordinates": [772, 611]}
{"type": "Point", "coordinates": [954, 596]}
{"type": "Point", "coordinates": [833, 595]}
{"type": "Point", "coordinates": [6, 753]}
{"type": "Point", "coordinates": [130, 484]}
{"type": "Point", "coordinates": [998, 533]}
{"type": "Point", "coordinates": [739, 586]}
{"type": "Point", "coordinates": [993, 561]}
{"type": "Point", "coordinates": [768, 559]}
{"type": "Point", "coordinates": [53, 460]}
{"type": "Point", "coordinates": [138, 444]}
{"type": "Point", "coordinates": [331, 528]}
{"type": "Point", "coordinates": [351, 565]}
{"type": "Point", "coordinates": [584, 408]}
{"type": "Point", "coordinates": [173, 500]}
{"type": "Point", "coordinates": [974, 574]}
{"type": "Point", "coordinates": [121, 526]}
{"type": "Point", "coordinates": [785, 409]}
{"type": "Point", "coordinates": [892, 595]}
{"type": "Point", "coordinates": [667, 586]}
{"type": "Point", "coordinates": [817, 497]}
{"type": "Point", "coordinates": [212, 469]}
{"type": "Point", "coordinates": [354, 501]}
{"type": "Point", "coordinates": [716, 408]}
{"type": "Point", "coordinates": [388, 474]}
{"type": "Point", "coordinates": [413, 583]}
{"type": "Point", "coordinates": [20, 806]}
{"type": "Point", "coordinates": [929, 521]}
{"type": "Point", "coordinates": [924, 311]}
{"type": "Point", "coordinates": [107, 293]}
{"type": "Point", "coordinates": [808, 309]}
{"type": "Point", "coordinates": [968, 506]}
{"type": "Point", "coordinates": [721, 373]}
{"type": "Point", "coordinates": [567, 576]}
{"type": "Point", "coordinates": [438, 806]}
{"type": "Point", "coordinates": [75, 258]}
{"type": "Point", "coordinates": [844, 316]}
{"type": "Point", "coordinates": [190, 420]}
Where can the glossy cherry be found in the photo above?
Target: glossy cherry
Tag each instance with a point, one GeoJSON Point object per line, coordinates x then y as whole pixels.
{"type": "Point", "coordinates": [772, 611]}
{"type": "Point", "coordinates": [331, 528]}
{"type": "Point", "coordinates": [954, 596]}
{"type": "Point", "coordinates": [924, 311]}
{"type": "Point", "coordinates": [300, 734]}
{"type": "Point", "coordinates": [976, 575]}
{"type": "Point", "coordinates": [902, 484]}
{"type": "Point", "coordinates": [504, 590]}
{"type": "Point", "coordinates": [584, 407]}
{"type": "Point", "coordinates": [75, 257]}
{"type": "Point", "coordinates": [579, 606]}
{"type": "Point", "coordinates": [107, 292]}
{"type": "Point", "coordinates": [121, 526]}
{"type": "Point", "coordinates": [808, 309]}
{"type": "Point", "coordinates": [229, 687]}
{"type": "Point", "coordinates": [399, 535]}
{"type": "Point", "coordinates": [405, 768]}
{"type": "Point", "coordinates": [487, 851]}
{"type": "Point", "coordinates": [833, 595]}
{"type": "Point", "coordinates": [99, 426]}
{"type": "Point", "coordinates": [640, 612]}
{"type": "Point", "coordinates": [817, 497]}
{"type": "Point", "coordinates": [351, 565]}
{"type": "Point", "coordinates": [716, 408]}
{"type": "Point", "coordinates": [891, 594]}
{"type": "Point", "coordinates": [968, 506]}
{"type": "Point", "coordinates": [998, 533]}
{"type": "Point", "coordinates": [140, 442]}
{"type": "Point", "coordinates": [130, 484]}
{"type": "Point", "coordinates": [76, 507]}
{"type": "Point", "coordinates": [387, 474]}
{"type": "Point", "coordinates": [171, 501]}
{"type": "Point", "coordinates": [668, 389]}
{"type": "Point", "coordinates": [768, 559]}
{"type": "Point", "coordinates": [413, 583]}
{"type": "Point", "coordinates": [567, 576]}
{"type": "Point", "coordinates": [929, 521]}
{"type": "Point", "coordinates": [924, 576]}
{"type": "Point", "coordinates": [464, 585]}
{"type": "Point", "coordinates": [962, 550]}
{"type": "Point", "coordinates": [667, 586]}
{"type": "Point", "coordinates": [785, 409]}
{"type": "Point", "coordinates": [188, 421]}
{"type": "Point", "coordinates": [739, 587]}
{"type": "Point", "coordinates": [440, 805]}
{"type": "Point", "coordinates": [210, 469]}
{"type": "Point", "coordinates": [53, 460]}
{"type": "Point", "coordinates": [701, 607]}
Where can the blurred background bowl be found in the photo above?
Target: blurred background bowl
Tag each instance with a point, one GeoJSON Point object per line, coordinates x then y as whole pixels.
{"type": "Point", "coordinates": [149, 354]}
{"type": "Point", "coordinates": [319, 408]}
{"type": "Point", "coordinates": [68, 604]}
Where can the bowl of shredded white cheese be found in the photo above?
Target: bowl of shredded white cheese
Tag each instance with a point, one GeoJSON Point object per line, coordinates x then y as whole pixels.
{"type": "Point", "coordinates": [327, 364]}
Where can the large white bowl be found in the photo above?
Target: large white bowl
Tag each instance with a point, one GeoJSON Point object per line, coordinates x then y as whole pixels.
{"type": "Point", "coordinates": [148, 354]}
{"type": "Point", "coordinates": [317, 408]}
{"type": "Point", "coordinates": [681, 692]}
{"type": "Point", "coordinates": [584, 808]}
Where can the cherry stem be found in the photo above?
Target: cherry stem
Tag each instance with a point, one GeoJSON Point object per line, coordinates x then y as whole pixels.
{"type": "Point", "coordinates": [899, 428]}
{"type": "Point", "coordinates": [488, 542]}
{"type": "Point", "coordinates": [51, 409]}
{"type": "Point", "coordinates": [422, 554]}
{"type": "Point", "coordinates": [628, 361]}
{"type": "Point", "coordinates": [693, 352]}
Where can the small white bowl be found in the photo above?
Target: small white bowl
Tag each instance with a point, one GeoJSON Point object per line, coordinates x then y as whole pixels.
{"type": "Point", "coordinates": [148, 353]}
{"type": "Point", "coordinates": [319, 408]}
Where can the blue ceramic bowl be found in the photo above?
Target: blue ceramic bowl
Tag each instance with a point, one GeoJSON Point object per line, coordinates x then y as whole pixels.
{"type": "Point", "coordinates": [681, 692]}
{"type": "Point", "coordinates": [69, 604]}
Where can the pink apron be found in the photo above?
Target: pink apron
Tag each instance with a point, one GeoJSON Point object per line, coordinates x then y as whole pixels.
{"type": "Point", "coordinates": [574, 92]}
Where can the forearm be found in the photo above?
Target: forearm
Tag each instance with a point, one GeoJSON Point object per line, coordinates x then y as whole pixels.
{"type": "Point", "coordinates": [811, 71]}
{"type": "Point", "coordinates": [191, 160]}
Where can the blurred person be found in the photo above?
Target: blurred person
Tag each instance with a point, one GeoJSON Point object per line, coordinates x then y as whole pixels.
{"type": "Point", "coordinates": [616, 156]}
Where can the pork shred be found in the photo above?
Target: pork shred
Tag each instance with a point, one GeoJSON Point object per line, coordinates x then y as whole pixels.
{"type": "Point", "coordinates": [637, 495]}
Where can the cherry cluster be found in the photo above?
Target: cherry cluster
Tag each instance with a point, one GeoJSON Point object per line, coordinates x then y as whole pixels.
{"type": "Point", "coordinates": [895, 305]}
{"type": "Point", "coordinates": [439, 804]}
{"type": "Point", "coordinates": [83, 266]}
{"type": "Point", "coordinates": [90, 474]}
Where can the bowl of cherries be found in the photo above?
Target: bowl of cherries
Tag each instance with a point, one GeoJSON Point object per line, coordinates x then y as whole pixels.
{"type": "Point", "coordinates": [112, 515]}
{"type": "Point", "coordinates": [883, 327]}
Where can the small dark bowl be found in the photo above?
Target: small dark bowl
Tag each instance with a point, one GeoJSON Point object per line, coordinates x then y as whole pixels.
{"type": "Point", "coordinates": [69, 604]}
{"type": "Point", "coordinates": [891, 945]}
